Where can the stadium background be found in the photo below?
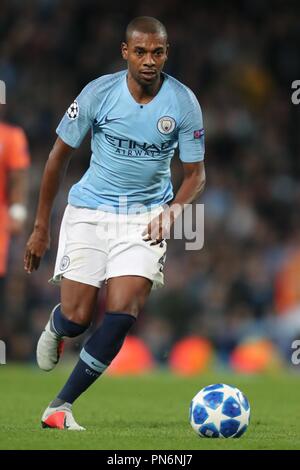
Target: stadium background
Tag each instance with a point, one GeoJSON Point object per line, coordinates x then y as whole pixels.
{"type": "Point", "coordinates": [240, 59]}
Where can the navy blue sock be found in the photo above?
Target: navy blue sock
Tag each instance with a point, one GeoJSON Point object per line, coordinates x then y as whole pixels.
{"type": "Point", "coordinates": [64, 327]}
{"type": "Point", "coordinates": [97, 354]}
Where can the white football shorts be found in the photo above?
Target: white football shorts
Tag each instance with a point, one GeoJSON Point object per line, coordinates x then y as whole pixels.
{"type": "Point", "coordinates": [95, 245]}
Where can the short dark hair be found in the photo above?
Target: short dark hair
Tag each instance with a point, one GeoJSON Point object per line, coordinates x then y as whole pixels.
{"type": "Point", "coordinates": [145, 24]}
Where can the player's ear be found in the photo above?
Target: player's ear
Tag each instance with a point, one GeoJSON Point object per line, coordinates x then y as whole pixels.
{"type": "Point", "coordinates": [124, 50]}
{"type": "Point", "coordinates": [167, 51]}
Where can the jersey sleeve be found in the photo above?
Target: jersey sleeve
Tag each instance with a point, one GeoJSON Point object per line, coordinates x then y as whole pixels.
{"type": "Point", "coordinates": [191, 131]}
{"type": "Point", "coordinates": [77, 120]}
{"type": "Point", "coordinates": [17, 151]}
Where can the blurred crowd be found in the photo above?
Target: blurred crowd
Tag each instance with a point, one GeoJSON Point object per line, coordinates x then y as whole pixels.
{"type": "Point", "coordinates": [240, 59]}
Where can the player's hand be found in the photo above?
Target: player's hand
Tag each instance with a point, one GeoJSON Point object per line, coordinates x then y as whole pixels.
{"type": "Point", "coordinates": [159, 228]}
{"type": "Point", "coordinates": [38, 243]}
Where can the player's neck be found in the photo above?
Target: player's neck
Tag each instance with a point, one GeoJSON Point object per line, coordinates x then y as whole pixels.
{"type": "Point", "coordinates": [143, 94]}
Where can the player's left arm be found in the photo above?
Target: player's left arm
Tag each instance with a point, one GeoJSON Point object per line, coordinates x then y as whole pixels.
{"type": "Point", "coordinates": [191, 187]}
{"type": "Point", "coordinates": [191, 154]}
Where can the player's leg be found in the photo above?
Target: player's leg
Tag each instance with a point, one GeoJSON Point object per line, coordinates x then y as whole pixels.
{"type": "Point", "coordinates": [69, 319]}
{"type": "Point", "coordinates": [80, 269]}
{"type": "Point", "coordinates": [126, 296]}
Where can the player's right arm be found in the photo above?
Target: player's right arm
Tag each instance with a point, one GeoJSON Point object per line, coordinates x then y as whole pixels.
{"type": "Point", "coordinates": [71, 131]}
{"type": "Point", "coordinates": [39, 240]}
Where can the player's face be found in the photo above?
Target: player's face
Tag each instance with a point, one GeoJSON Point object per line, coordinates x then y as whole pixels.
{"type": "Point", "coordinates": [146, 55]}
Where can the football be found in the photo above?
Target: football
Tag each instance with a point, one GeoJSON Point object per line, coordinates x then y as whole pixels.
{"type": "Point", "coordinates": [219, 410]}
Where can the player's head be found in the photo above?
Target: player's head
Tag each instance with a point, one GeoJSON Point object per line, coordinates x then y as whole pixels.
{"type": "Point", "coordinates": [145, 49]}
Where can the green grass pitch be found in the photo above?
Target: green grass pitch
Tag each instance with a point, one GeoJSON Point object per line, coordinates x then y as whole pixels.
{"type": "Point", "coordinates": [147, 412]}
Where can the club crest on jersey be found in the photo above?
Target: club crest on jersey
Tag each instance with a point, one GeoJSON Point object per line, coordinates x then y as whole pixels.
{"type": "Point", "coordinates": [166, 125]}
{"type": "Point", "coordinates": [73, 110]}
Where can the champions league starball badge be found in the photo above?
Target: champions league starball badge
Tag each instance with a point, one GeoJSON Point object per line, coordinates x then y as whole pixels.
{"type": "Point", "coordinates": [73, 110]}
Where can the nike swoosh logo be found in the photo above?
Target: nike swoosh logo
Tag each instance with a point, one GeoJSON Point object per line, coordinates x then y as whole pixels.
{"type": "Point", "coordinates": [65, 423]}
{"type": "Point", "coordinates": [106, 120]}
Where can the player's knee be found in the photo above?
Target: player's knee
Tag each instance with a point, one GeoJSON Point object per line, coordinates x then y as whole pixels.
{"type": "Point", "coordinates": [76, 313]}
{"type": "Point", "coordinates": [132, 307]}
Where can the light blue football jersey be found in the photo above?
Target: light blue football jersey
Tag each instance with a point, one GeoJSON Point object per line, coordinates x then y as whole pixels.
{"type": "Point", "coordinates": [132, 143]}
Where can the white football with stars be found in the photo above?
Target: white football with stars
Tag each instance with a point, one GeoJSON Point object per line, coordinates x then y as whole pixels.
{"type": "Point", "coordinates": [220, 410]}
